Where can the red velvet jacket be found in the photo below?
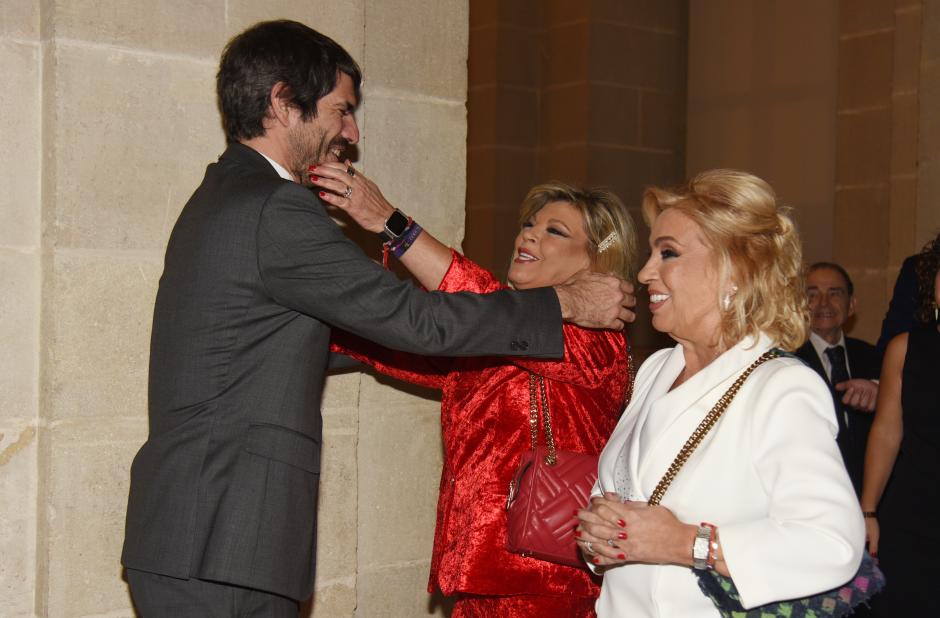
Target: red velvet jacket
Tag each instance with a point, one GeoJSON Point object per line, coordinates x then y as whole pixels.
{"type": "Point", "coordinates": [484, 422]}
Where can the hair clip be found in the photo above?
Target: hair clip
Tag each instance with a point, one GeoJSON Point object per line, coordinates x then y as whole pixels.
{"type": "Point", "coordinates": [605, 244]}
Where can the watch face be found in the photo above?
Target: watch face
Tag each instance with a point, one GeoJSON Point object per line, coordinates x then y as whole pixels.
{"type": "Point", "coordinates": [700, 549]}
{"type": "Point", "coordinates": [396, 224]}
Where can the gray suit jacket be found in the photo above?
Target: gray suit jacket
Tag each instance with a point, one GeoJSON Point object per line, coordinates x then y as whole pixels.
{"type": "Point", "coordinates": [256, 273]}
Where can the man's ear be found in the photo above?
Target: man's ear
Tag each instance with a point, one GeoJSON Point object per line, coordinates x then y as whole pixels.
{"type": "Point", "coordinates": [853, 302]}
{"type": "Point", "coordinates": [281, 104]}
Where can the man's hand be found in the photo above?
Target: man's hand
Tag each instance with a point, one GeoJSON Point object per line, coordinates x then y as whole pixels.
{"type": "Point", "coordinates": [860, 394]}
{"type": "Point", "coordinates": [593, 300]}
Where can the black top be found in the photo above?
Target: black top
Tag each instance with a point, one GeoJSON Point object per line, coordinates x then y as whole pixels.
{"type": "Point", "coordinates": [913, 496]}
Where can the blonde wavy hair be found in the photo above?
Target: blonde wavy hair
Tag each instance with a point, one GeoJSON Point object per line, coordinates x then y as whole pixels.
{"type": "Point", "coordinates": [757, 247]}
{"type": "Point", "coordinates": [603, 213]}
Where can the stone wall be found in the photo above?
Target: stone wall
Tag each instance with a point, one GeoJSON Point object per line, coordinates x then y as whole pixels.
{"type": "Point", "coordinates": [834, 104]}
{"type": "Point", "coordinates": [589, 92]}
{"type": "Point", "coordinates": [109, 120]}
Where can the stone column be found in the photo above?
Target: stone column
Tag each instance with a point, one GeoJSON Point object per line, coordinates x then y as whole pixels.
{"type": "Point", "coordinates": [928, 148]}
{"type": "Point", "coordinates": [415, 132]}
{"type": "Point", "coordinates": [20, 155]}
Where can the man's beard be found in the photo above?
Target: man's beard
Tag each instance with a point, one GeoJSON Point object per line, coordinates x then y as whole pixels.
{"type": "Point", "coordinates": [308, 146]}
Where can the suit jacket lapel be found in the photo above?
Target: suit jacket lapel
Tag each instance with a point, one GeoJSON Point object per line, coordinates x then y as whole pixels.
{"type": "Point", "coordinates": [808, 353]}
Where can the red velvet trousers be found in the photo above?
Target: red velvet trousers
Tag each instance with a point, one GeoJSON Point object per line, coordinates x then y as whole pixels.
{"type": "Point", "coordinates": [523, 606]}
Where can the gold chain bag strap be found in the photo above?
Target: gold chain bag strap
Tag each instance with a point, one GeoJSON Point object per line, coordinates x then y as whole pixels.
{"type": "Point", "coordinates": [548, 487]}
{"type": "Point", "coordinates": [705, 426]}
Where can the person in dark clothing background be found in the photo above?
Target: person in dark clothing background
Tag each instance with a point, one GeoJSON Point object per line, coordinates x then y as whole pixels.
{"type": "Point", "coordinates": [850, 366]}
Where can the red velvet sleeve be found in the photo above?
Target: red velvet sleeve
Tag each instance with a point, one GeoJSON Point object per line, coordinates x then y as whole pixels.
{"type": "Point", "coordinates": [591, 356]}
{"type": "Point", "coordinates": [427, 371]}
{"type": "Point", "coordinates": [464, 275]}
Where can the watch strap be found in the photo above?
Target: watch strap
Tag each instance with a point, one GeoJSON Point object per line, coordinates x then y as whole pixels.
{"type": "Point", "coordinates": [701, 547]}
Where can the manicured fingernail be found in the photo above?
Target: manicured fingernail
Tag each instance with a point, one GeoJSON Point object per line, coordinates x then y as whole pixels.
{"type": "Point", "coordinates": [621, 556]}
{"type": "Point", "coordinates": [314, 178]}
{"type": "Point", "coordinates": [596, 560]}
{"type": "Point", "coordinates": [577, 533]}
{"type": "Point", "coordinates": [312, 167]}
{"type": "Point", "coordinates": [322, 193]}
{"type": "Point", "coordinates": [621, 535]}
{"type": "Point", "coordinates": [575, 513]}
{"type": "Point", "coordinates": [621, 523]}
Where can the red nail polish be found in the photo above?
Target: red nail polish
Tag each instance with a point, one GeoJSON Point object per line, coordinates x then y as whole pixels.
{"type": "Point", "coordinates": [621, 556]}
{"type": "Point", "coordinates": [322, 193]}
{"type": "Point", "coordinates": [621, 523]}
{"type": "Point", "coordinates": [312, 167]}
{"type": "Point", "coordinates": [575, 513]}
{"type": "Point", "coordinates": [577, 533]}
{"type": "Point", "coordinates": [596, 560]}
{"type": "Point", "coordinates": [314, 178]}
{"type": "Point", "coordinates": [621, 535]}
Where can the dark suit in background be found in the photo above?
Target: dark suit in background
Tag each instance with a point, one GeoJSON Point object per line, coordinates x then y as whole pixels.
{"type": "Point", "coordinates": [864, 361]}
{"type": "Point", "coordinates": [256, 273]}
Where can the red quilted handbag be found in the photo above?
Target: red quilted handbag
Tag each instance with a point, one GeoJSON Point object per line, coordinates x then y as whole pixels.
{"type": "Point", "coordinates": [548, 487]}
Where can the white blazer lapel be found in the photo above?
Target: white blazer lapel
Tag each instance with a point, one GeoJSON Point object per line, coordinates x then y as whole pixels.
{"type": "Point", "coordinates": [679, 412]}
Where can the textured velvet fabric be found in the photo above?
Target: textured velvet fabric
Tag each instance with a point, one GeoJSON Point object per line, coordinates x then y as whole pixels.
{"type": "Point", "coordinates": [523, 606]}
{"type": "Point", "coordinates": [484, 421]}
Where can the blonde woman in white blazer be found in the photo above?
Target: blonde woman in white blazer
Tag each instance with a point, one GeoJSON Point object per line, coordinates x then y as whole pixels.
{"type": "Point", "coordinates": [724, 280]}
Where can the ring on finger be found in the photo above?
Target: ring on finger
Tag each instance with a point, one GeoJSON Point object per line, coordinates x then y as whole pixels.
{"type": "Point", "coordinates": [589, 547]}
{"type": "Point", "coordinates": [351, 170]}
{"type": "Point", "coordinates": [611, 542]}
{"type": "Point", "coordinates": [348, 192]}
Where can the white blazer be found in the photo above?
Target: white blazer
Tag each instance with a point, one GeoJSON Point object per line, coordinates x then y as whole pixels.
{"type": "Point", "coordinates": [768, 474]}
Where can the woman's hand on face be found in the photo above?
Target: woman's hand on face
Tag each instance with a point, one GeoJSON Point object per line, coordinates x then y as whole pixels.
{"type": "Point", "coordinates": [634, 532]}
{"type": "Point", "coordinates": [355, 194]}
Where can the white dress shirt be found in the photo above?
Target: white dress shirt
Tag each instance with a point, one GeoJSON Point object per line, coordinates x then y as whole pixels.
{"type": "Point", "coordinates": [281, 171]}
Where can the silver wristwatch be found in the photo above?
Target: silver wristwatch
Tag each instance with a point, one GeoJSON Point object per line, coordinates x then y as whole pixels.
{"type": "Point", "coordinates": [700, 548]}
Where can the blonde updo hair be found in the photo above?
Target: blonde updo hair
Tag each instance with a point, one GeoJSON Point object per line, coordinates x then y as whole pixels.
{"type": "Point", "coordinates": [757, 247]}
{"type": "Point", "coordinates": [602, 213]}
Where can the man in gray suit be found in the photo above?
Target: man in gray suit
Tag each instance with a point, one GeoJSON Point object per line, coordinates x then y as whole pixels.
{"type": "Point", "coordinates": [221, 517]}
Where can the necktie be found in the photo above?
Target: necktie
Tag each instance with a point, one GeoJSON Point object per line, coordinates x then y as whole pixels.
{"type": "Point", "coordinates": [839, 373]}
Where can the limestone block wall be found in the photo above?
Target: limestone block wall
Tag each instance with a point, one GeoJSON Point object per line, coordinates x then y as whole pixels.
{"type": "Point", "coordinates": [589, 92]}
{"type": "Point", "coordinates": [108, 122]}
{"type": "Point", "coordinates": [834, 104]}
{"type": "Point", "coordinates": [20, 156]}
{"type": "Point", "coordinates": [886, 199]}
{"type": "Point", "coordinates": [762, 97]}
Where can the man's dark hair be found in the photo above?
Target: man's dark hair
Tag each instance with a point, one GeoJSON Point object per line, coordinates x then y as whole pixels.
{"type": "Point", "coordinates": [849, 286]}
{"type": "Point", "coordinates": [307, 62]}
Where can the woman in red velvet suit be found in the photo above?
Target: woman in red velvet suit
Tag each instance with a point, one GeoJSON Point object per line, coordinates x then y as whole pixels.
{"type": "Point", "coordinates": [485, 401]}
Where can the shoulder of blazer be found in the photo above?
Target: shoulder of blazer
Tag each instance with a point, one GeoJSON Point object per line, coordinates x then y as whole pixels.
{"type": "Point", "coordinates": [240, 154]}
